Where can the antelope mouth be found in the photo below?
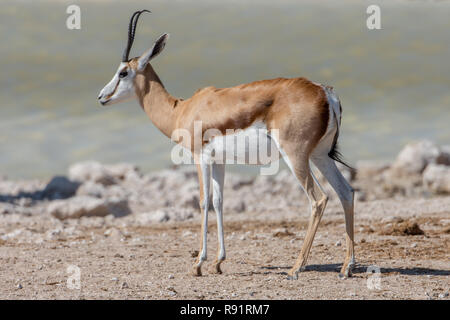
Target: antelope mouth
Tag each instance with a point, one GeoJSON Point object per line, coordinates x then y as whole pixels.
{"type": "Point", "coordinates": [104, 102]}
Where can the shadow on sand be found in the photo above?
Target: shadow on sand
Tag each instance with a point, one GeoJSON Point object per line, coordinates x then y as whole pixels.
{"type": "Point", "coordinates": [335, 267]}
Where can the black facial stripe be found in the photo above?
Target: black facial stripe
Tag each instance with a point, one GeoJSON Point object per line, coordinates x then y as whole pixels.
{"type": "Point", "coordinates": [114, 91]}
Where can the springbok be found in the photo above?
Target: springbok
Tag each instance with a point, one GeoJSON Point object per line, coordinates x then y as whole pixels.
{"type": "Point", "coordinates": [307, 116]}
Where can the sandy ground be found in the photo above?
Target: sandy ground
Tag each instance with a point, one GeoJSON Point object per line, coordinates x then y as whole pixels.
{"type": "Point", "coordinates": [121, 259]}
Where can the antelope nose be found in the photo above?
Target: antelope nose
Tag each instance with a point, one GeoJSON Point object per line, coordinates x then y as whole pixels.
{"type": "Point", "coordinates": [100, 96]}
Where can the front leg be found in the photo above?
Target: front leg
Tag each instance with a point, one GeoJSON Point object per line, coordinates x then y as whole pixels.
{"type": "Point", "coordinates": [204, 176]}
{"type": "Point", "coordinates": [218, 173]}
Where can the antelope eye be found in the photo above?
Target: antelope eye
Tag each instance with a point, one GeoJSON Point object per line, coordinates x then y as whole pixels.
{"type": "Point", "coordinates": [123, 74]}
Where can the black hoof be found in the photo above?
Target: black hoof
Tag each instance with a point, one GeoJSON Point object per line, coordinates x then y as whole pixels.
{"type": "Point", "coordinates": [342, 276]}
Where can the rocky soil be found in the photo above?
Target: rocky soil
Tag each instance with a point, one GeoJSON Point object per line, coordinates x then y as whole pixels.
{"type": "Point", "coordinates": [135, 235]}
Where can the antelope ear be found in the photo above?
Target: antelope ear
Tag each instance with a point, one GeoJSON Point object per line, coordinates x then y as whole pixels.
{"type": "Point", "coordinates": [148, 55]}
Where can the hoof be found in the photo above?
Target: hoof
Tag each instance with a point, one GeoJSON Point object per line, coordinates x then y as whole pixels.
{"type": "Point", "coordinates": [196, 271]}
{"type": "Point", "coordinates": [216, 268]}
{"type": "Point", "coordinates": [342, 276]}
{"type": "Point", "coordinates": [346, 272]}
{"type": "Point", "coordinates": [292, 275]}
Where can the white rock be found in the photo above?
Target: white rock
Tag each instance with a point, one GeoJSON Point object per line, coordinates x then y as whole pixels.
{"type": "Point", "coordinates": [187, 233]}
{"type": "Point", "coordinates": [114, 234]}
{"type": "Point", "coordinates": [85, 206]}
{"type": "Point", "coordinates": [122, 171]}
{"type": "Point", "coordinates": [12, 234]}
{"type": "Point", "coordinates": [92, 189]}
{"type": "Point", "coordinates": [436, 178]}
{"type": "Point", "coordinates": [152, 217]}
{"type": "Point", "coordinates": [415, 156]}
{"type": "Point", "coordinates": [181, 214]}
{"type": "Point", "coordinates": [90, 171]}
{"type": "Point", "coordinates": [163, 215]}
{"type": "Point", "coordinates": [370, 169]}
{"type": "Point", "coordinates": [53, 234]}
{"type": "Point", "coordinates": [116, 191]}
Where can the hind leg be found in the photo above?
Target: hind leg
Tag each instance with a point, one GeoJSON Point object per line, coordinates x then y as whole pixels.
{"type": "Point", "coordinates": [345, 192]}
{"type": "Point", "coordinates": [298, 162]}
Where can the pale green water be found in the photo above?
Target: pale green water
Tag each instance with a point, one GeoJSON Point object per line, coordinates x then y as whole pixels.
{"type": "Point", "coordinates": [394, 83]}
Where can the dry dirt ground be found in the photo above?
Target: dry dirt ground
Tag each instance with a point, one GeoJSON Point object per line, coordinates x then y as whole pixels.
{"type": "Point", "coordinates": [120, 259]}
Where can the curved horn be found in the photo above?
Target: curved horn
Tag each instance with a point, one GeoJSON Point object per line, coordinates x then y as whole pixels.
{"type": "Point", "coordinates": [131, 32]}
{"type": "Point", "coordinates": [126, 52]}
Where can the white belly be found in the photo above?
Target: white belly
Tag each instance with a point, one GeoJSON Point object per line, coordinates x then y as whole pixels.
{"type": "Point", "coordinates": [250, 146]}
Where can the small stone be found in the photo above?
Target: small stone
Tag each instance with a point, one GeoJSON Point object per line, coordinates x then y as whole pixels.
{"type": "Point", "coordinates": [19, 286]}
{"type": "Point", "coordinates": [414, 245]}
{"type": "Point", "coordinates": [114, 234]}
{"type": "Point", "coordinates": [171, 276]}
{"type": "Point", "coordinates": [338, 243]}
{"type": "Point", "coordinates": [194, 254]}
{"type": "Point", "coordinates": [114, 279]}
{"type": "Point", "coordinates": [125, 285]}
{"type": "Point", "coordinates": [172, 291]}
{"type": "Point", "coordinates": [187, 233]}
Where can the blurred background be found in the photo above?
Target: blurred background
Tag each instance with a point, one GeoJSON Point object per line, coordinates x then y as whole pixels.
{"type": "Point", "coordinates": [393, 83]}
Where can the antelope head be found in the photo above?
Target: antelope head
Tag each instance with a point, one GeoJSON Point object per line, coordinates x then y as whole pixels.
{"type": "Point", "coordinates": [122, 85]}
